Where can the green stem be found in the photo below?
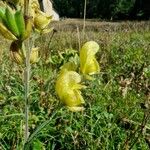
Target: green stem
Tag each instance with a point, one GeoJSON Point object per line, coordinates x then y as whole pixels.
{"type": "Point", "coordinates": [27, 75]}
{"type": "Point", "coordinates": [26, 80]}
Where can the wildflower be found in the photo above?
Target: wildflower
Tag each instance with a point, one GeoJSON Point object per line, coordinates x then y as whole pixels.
{"type": "Point", "coordinates": [41, 20]}
{"type": "Point", "coordinates": [68, 89]}
{"type": "Point", "coordinates": [88, 62]}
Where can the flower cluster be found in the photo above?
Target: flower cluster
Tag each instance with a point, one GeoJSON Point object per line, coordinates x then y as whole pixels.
{"type": "Point", "coordinates": [68, 84]}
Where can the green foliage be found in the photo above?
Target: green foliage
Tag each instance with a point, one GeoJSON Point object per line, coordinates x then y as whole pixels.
{"type": "Point", "coordinates": [104, 9]}
{"type": "Point", "coordinates": [123, 7]}
{"type": "Point", "coordinates": [113, 100]}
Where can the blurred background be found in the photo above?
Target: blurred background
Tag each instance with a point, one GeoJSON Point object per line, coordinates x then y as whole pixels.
{"type": "Point", "coordinates": [104, 9]}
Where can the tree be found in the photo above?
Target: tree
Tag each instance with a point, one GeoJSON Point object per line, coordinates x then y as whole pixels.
{"type": "Point", "coordinates": [104, 9]}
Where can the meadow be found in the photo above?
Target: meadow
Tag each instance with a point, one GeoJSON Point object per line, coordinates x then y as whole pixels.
{"type": "Point", "coordinates": [117, 108]}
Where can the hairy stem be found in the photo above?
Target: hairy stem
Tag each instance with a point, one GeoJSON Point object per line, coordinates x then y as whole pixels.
{"type": "Point", "coordinates": [26, 80]}
{"type": "Point", "coordinates": [27, 75]}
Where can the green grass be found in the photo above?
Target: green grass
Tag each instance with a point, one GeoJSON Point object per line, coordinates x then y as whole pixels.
{"type": "Point", "coordinates": [113, 100]}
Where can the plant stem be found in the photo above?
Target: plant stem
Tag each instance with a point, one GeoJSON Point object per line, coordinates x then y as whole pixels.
{"type": "Point", "coordinates": [27, 74]}
{"type": "Point", "coordinates": [26, 7]}
{"type": "Point", "coordinates": [26, 80]}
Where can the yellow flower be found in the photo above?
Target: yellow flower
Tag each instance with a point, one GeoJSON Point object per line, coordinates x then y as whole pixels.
{"type": "Point", "coordinates": [34, 56]}
{"type": "Point", "coordinates": [41, 20]}
{"type": "Point", "coordinates": [68, 89]}
{"type": "Point", "coordinates": [88, 62]}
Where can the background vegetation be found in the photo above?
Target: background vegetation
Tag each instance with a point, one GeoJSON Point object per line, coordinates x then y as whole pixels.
{"type": "Point", "coordinates": [117, 101]}
{"type": "Point", "coordinates": [104, 9]}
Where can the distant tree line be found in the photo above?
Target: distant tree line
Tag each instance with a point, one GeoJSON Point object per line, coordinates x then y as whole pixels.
{"type": "Point", "coordinates": [104, 9]}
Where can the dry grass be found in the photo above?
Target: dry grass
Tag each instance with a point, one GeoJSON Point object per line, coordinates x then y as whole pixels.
{"type": "Point", "coordinates": [101, 26]}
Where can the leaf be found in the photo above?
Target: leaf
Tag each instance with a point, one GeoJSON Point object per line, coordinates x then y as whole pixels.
{"type": "Point", "coordinates": [37, 145]}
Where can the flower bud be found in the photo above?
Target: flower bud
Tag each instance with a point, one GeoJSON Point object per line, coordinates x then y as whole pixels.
{"type": "Point", "coordinates": [15, 52]}
{"type": "Point", "coordinates": [16, 57]}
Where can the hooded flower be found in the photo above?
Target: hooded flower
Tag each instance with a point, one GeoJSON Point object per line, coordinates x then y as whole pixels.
{"type": "Point", "coordinates": [88, 62]}
{"type": "Point", "coordinates": [68, 89]}
{"type": "Point", "coordinates": [41, 20]}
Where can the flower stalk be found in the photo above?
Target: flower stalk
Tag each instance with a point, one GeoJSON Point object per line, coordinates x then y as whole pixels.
{"type": "Point", "coordinates": [26, 84]}
{"type": "Point", "coordinates": [27, 75]}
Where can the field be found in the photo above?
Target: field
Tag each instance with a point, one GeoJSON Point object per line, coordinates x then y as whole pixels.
{"type": "Point", "coordinates": [116, 114]}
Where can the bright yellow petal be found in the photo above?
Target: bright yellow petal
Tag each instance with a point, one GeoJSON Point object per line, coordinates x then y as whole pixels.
{"type": "Point", "coordinates": [72, 98]}
{"type": "Point", "coordinates": [66, 80]}
{"type": "Point", "coordinates": [67, 88]}
{"type": "Point", "coordinates": [92, 67]}
{"type": "Point", "coordinates": [88, 63]}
